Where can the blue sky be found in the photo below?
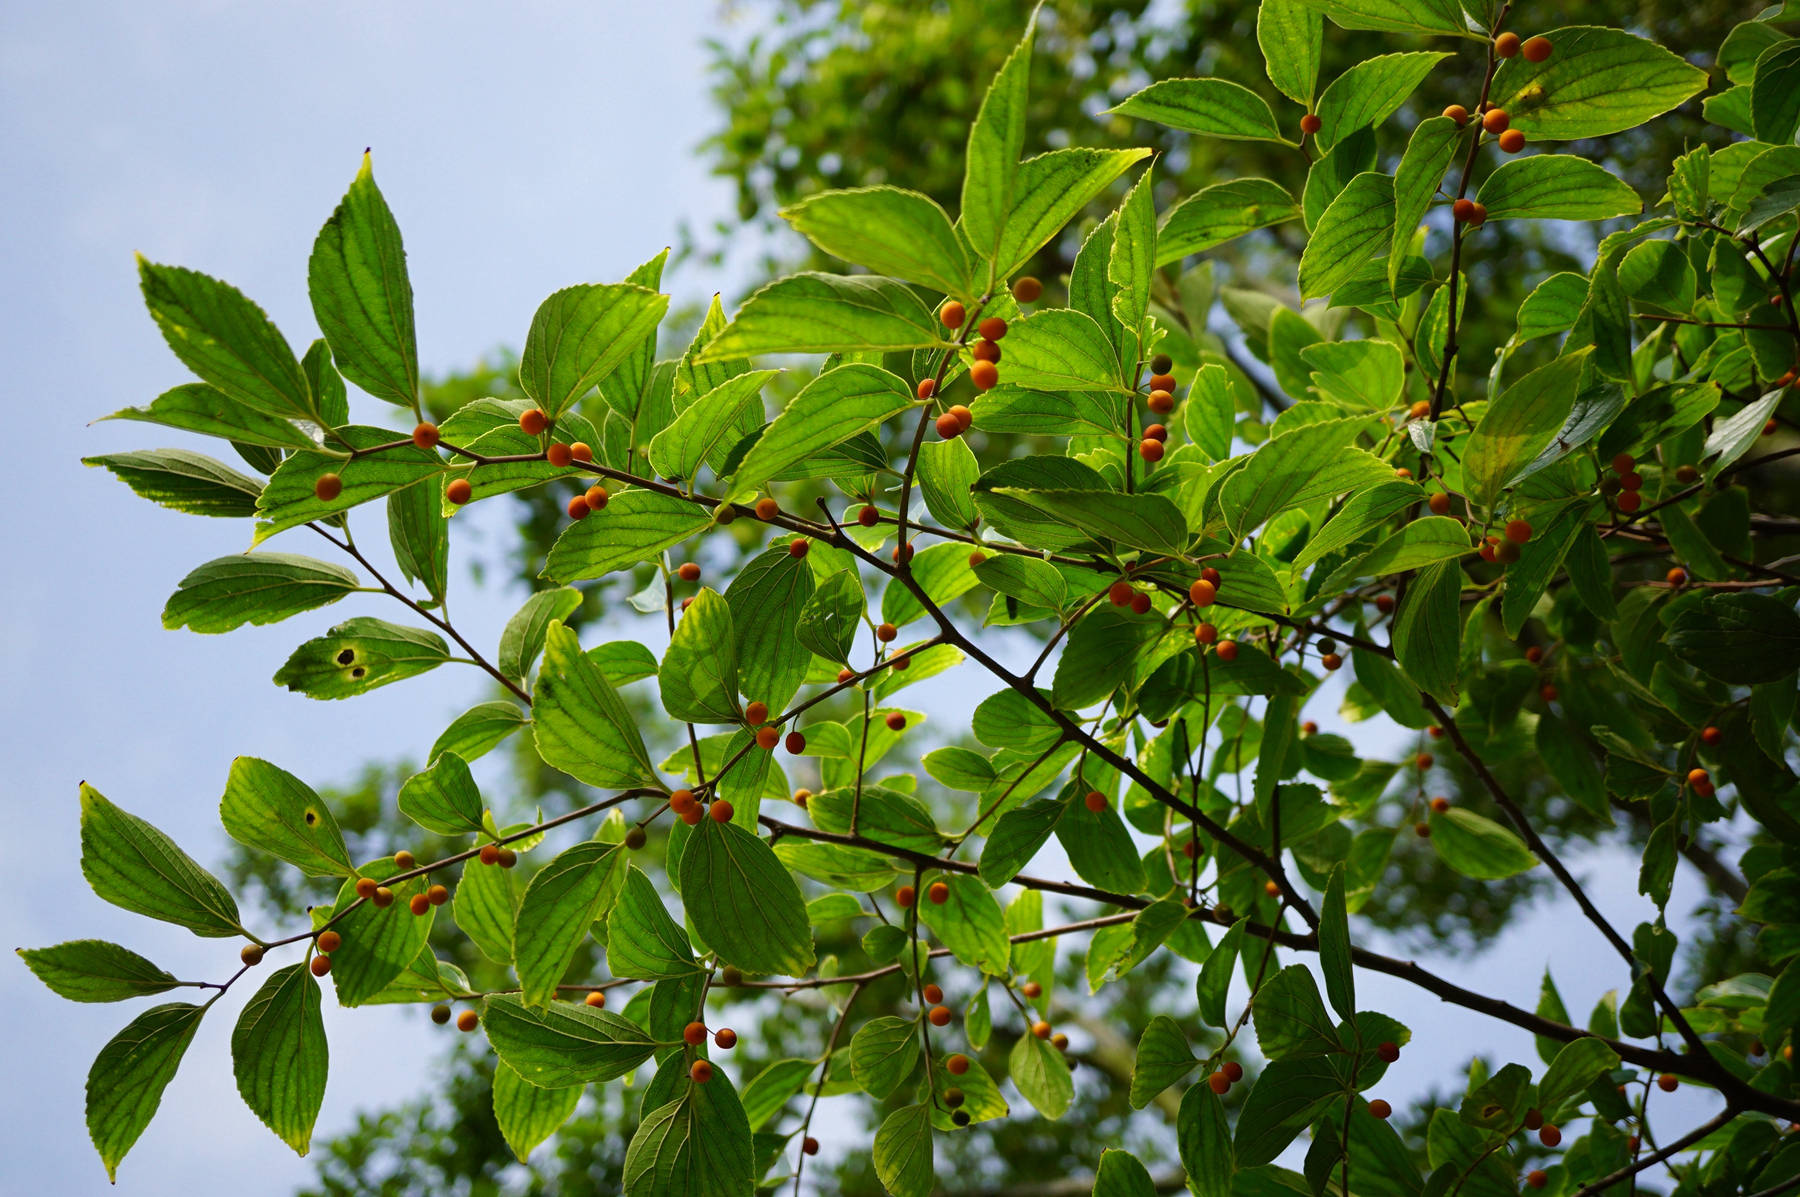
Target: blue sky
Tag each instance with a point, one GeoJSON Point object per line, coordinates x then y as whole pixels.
{"type": "Point", "coordinates": [523, 147]}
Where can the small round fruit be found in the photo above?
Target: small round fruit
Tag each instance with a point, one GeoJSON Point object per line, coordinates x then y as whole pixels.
{"type": "Point", "coordinates": [1206, 633]}
{"type": "Point", "coordinates": [1463, 210]}
{"type": "Point", "coordinates": [251, 955]}
{"type": "Point", "coordinates": [1096, 801]}
{"type": "Point", "coordinates": [1512, 141]}
{"type": "Point", "coordinates": [964, 416]}
{"type": "Point", "coordinates": [809, 1145]}
{"type": "Point", "coordinates": [1696, 776]}
{"type": "Point", "coordinates": [490, 854]}
{"type": "Point", "coordinates": [868, 517]}
{"type": "Point", "coordinates": [1536, 49]}
{"type": "Point", "coordinates": [896, 721]}
{"type": "Point", "coordinates": [1151, 451]}
{"type": "Point", "coordinates": [1387, 1051]}
{"type": "Point", "coordinates": [328, 487]}
{"type": "Point", "coordinates": [419, 904]}
{"type": "Point", "coordinates": [1332, 662]}
{"type": "Point", "coordinates": [532, 421]}
{"type": "Point", "coordinates": [1424, 761]}
{"type": "Point", "coordinates": [1202, 593]}
{"type": "Point", "coordinates": [581, 451]}
{"type": "Point", "coordinates": [992, 328]}
{"type": "Point", "coordinates": [1380, 1109]}
{"type": "Point", "coordinates": [986, 351]}
{"type": "Point", "coordinates": [957, 1064]}
{"type": "Point", "coordinates": [1518, 531]}
{"type": "Point", "coordinates": [1537, 1178]}
{"type": "Point", "coordinates": [694, 1034]}
{"type": "Point", "coordinates": [1534, 654]}
{"type": "Point", "coordinates": [1630, 501]}
{"type": "Point", "coordinates": [933, 995]}
{"type": "Point", "coordinates": [1156, 432]}
{"type": "Point", "coordinates": [1227, 650]}
{"type": "Point", "coordinates": [1711, 736]}
{"type": "Point", "coordinates": [757, 712]}
{"type": "Point", "coordinates": [1402, 472]}
{"type": "Point", "coordinates": [985, 375]}
{"type": "Point", "coordinates": [1422, 830]}
{"type": "Point", "coordinates": [682, 801]}
{"type": "Point", "coordinates": [1506, 45]}
{"type": "Point", "coordinates": [425, 435]}
{"type": "Point", "coordinates": [1439, 503]}
{"type": "Point", "coordinates": [404, 859]}
{"type": "Point", "coordinates": [1686, 474]}
{"type": "Point", "coordinates": [1161, 402]}
{"type": "Point", "coordinates": [939, 1016]}
{"type": "Point", "coordinates": [440, 1014]}
{"type": "Point", "coordinates": [725, 1038]}
{"type": "Point", "coordinates": [578, 508]}
{"type": "Point", "coordinates": [905, 896]}
{"type": "Point", "coordinates": [1384, 603]}
{"type": "Point", "coordinates": [1041, 1029]}
{"type": "Point", "coordinates": [795, 743]}
{"type": "Point", "coordinates": [1668, 1082]}
{"type": "Point", "coordinates": [700, 1072]}
{"type": "Point", "coordinates": [1218, 1082]}
{"type": "Point", "coordinates": [1457, 113]}
{"type": "Point", "coordinates": [1163, 382]}
{"type": "Point", "coordinates": [1439, 805]}
{"type": "Point", "coordinates": [1027, 289]}
{"type": "Point", "coordinates": [953, 314]}
{"type": "Point", "coordinates": [1534, 1118]}
{"type": "Point", "coordinates": [559, 455]}
{"type": "Point", "coordinates": [319, 965]}
{"type": "Point", "coordinates": [902, 553]}
{"type": "Point", "coordinates": [1547, 692]}
{"type": "Point", "coordinates": [939, 893]}
{"type": "Point", "coordinates": [947, 427]}
{"type": "Point", "coordinates": [1495, 120]}
{"type": "Point", "coordinates": [1272, 888]}
{"type": "Point", "coordinates": [927, 388]}
{"type": "Point", "coordinates": [1060, 1042]}
{"type": "Point", "coordinates": [767, 737]}
{"type": "Point", "coordinates": [721, 811]}
{"type": "Point", "coordinates": [508, 858]}
{"type": "Point", "coordinates": [1310, 123]}
{"type": "Point", "coordinates": [689, 572]}
{"type": "Point", "coordinates": [887, 633]}
{"type": "Point", "coordinates": [596, 497]}
{"type": "Point", "coordinates": [1550, 1136]}
{"type": "Point", "coordinates": [1309, 728]}
{"type": "Point", "coordinates": [636, 838]}
{"type": "Point", "coordinates": [1234, 1072]}
{"type": "Point", "coordinates": [1623, 463]}
{"type": "Point", "coordinates": [1162, 363]}
{"type": "Point", "coordinates": [366, 886]}
{"type": "Point", "coordinates": [1677, 576]}
{"type": "Point", "coordinates": [1032, 990]}
{"type": "Point", "coordinates": [330, 941]}
{"type": "Point", "coordinates": [595, 999]}
{"type": "Point", "coordinates": [1419, 410]}
{"type": "Point", "coordinates": [767, 508]}
{"type": "Point", "coordinates": [383, 896]}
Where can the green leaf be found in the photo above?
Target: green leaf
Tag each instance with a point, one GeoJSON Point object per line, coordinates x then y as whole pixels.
{"type": "Point", "coordinates": [1428, 155]}
{"type": "Point", "coordinates": [563, 1044]}
{"type": "Point", "coordinates": [1428, 630]}
{"type": "Point", "coordinates": [186, 481]}
{"type": "Point", "coordinates": [699, 676]}
{"type": "Point", "coordinates": [1425, 541]}
{"type": "Point", "coordinates": [1334, 948]}
{"type": "Point", "coordinates": [946, 473]}
{"type": "Point", "coordinates": [829, 619]}
{"type": "Point", "coordinates": [1361, 373]}
{"type": "Point", "coordinates": [1298, 468]}
{"type": "Point", "coordinates": [526, 1114]}
{"type": "Point", "coordinates": [1740, 639]}
{"type": "Point", "coordinates": [828, 411]}
{"type": "Point", "coordinates": [1210, 411]}
{"type": "Point", "coordinates": [1016, 838]}
{"type": "Point", "coordinates": [1042, 1075]}
{"type": "Point", "coordinates": [1398, 16]}
{"type": "Point", "coordinates": [1008, 720]}
{"type": "Point", "coordinates": [1205, 1143]}
{"type": "Point", "coordinates": [1356, 226]}
{"type": "Point", "coordinates": [970, 924]}
{"type": "Point", "coordinates": [1214, 981]}
{"type": "Point", "coordinates": [1732, 437]}
{"type": "Point", "coordinates": [523, 638]}
{"type": "Point", "coordinates": [379, 944]}
{"type": "Point", "coordinates": [93, 970]}
{"type": "Point", "coordinates": [1049, 191]}
{"type": "Point", "coordinates": [1120, 1174]}
{"type": "Point", "coordinates": [743, 902]}
{"type": "Point", "coordinates": [1292, 39]}
{"type": "Point", "coordinates": [1143, 521]}
{"type": "Point", "coordinates": [1291, 1020]}
{"type": "Point", "coordinates": [126, 1082]}
{"type": "Point", "coordinates": [1598, 81]}
{"type": "Point", "coordinates": [134, 866]}
{"type": "Point", "coordinates": [581, 724]}
{"type": "Point", "coordinates": [279, 1055]}
{"type": "Point", "coordinates": [773, 1087]}
{"type": "Point", "coordinates": [359, 655]}
{"type": "Point", "coordinates": [255, 588]}
{"type": "Point", "coordinates": [1519, 425]}
{"type": "Point", "coordinates": [1027, 579]}
{"type": "Point", "coordinates": [902, 1153]}
{"type": "Point", "coordinates": [361, 296]}
{"type": "Point", "coordinates": [883, 1053]}
{"type": "Point", "coordinates": [1556, 187]}
{"type": "Point", "coordinates": [766, 598]}
{"type": "Point", "coordinates": [1478, 847]}
{"type": "Point", "coordinates": [580, 335]}
{"type": "Point", "coordinates": [196, 407]}
{"type": "Point", "coordinates": [226, 339]}
{"type": "Point", "coordinates": [698, 1145]}
{"type": "Point", "coordinates": [1058, 349]}
{"type": "Point", "coordinates": [887, 229]}
{"type": "Point", "coordinates": [269, 809]}
{"type": "Point", "coordinates": [420, 535]}
{"type": "Point", "coordinates": [1209, 107]}
{"type": "Point", "coordinates": [1214, 215]}
{"type": "Point", "coordinates": [707, 428]}
{"type": "Point", "coordinates": [1286, 1097]}
{"type": "Point", "coordinates": [1775, 95]}
{"type": "Point", "coordinates": [1163, 1057]}
{"type": "Point", "coordinates": [642, 940]}
{"type": "Point", "coordinates": [484, 905]}
{"type": "Point", "coordinates": [996, 140]}
{"type": "Point", "coordinates": [888, 816]}
{"type": "Point", "coordinates": [1131, 266]}
{"type": "Point", "coordinates": [1577, 1066]}
{"type": "Point", "coordinates": [289, 500]}
{"type": "Point", "coordinates": [478, 730]}
{"type": "Point", "coordinates": [1370, 92]}
{"type": "Point", "coordinates": [634, 528]}
{"type": "Point", "coordinates": [827, 313]}
{"type": "Point", "coordinates": [561, 903]}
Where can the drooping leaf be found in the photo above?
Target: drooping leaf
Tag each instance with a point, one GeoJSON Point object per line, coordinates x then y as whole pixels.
{"type": "Point", "coordinates": [827, 313]}
{"type": "Point", "coordinates": [743, 902]}
{"type": "Point", "coordinates": [559, 906]}
{"type": "Point", "coordinates": [581, 725]}
{"type": "Point", "coordinates": [359, 655]}
{"type": "Point", "coordinates": [1478, 847]}
{"type": "Point", "coordinates": [563, 1044]}
{"type": "Point", "coordinates": [526, 1114]}
{"type": "Point", "coordinates": [126, 1082]}
{"type": "Point", "coordinates": [280, 1057]}
{"type": "Point", "coordinates": [632, 529]}
{"type": "Point", "coordinates": [832, 408]}
{"type": "Point", "coordinates": [184, 480]}
{"type": "Point", "coordinates": [1210, 107]}
{"type": "Point", "coordinates": [255, 588]}
{"type": "Point", "coordinates": [227, 340]}
{"type": "Point", "coordinates": [134, 866]}
{"type": "Point", "coordinates": [1556, 187]}
{"type": "Point", "coordinates": [1597, 81]}
{"type": "Point", "coordinates": [1217, 213]}
{"type": "Point", "coordinates": [268, 809]}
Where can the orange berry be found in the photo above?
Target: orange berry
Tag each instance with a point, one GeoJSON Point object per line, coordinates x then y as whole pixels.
{"type": "Point", "coordinates": [425, 435]}
{"type": "Point", "coordinates": [1506, 45]}
{"type": "Point", "coordinates": [1202, 593]}
{"type": "Point", "coordinates": [1402, 472]}
{"type": "Point", "coordinates": [596, 999]}
{"type": "Point", "coordinates": [1218, 1082]}
{"type": "Point", "coordinates": [1096, 801]}
{"type": "Point", "coordinates": [1537, 1178]}
{"type": "Point", "coordinates": [947, 427]}
{"type": "Point", "coordinates": [1512, 141]}
{"type": "Point", "coordinates": [985, 375]}
{"type": "Point", "coordinates": [1161, 402]}
{"type": "Point", "coordinates": [927, 388]}
{"type": "Point", "coordinates": [1151, 451]}
{"type": "Point", "coordinates": [886, 633]}
{"type": "Point", "coordinates": [1534, 654]}
{"type": "Point", "coordinates": [1032, 990]}
{"type": "Point", "coordinates": [365, 887]}
{"type": "Point", "coordinates": [1271, 888]}
{"type": "Point", "coordinates": [1212, 575]}
{"type": "Point", "coordinates": [1331, 661]}
{"type": "Point", "coordinates": [1518, 531]}
{"type": "Point", "coordinates": [809, 1145]}
{"type": "Point", "coordinates": [689, 572]}
{"type": "Point", "coordinates": [795, 743]}
{"type": "Point", "coordinates": [757, 712]}
{"type": "Point", "coordinates": [1140, 603]}
{"type": "Point", "coordinates": [902, 553]}
{"type": "Point", "coordinates": [939, 893]}
{"type": "Point", "coordinates": [1380, 1109]}
{"type": "Point", "coordinates": [1480, 216]}
{"type": "Point", "coordinates": [868, 517]}
{"type": "Point", "coordinates": [1547, 692]}
{"type": "Point", "coordinates": [459, 491]}
{"type": "Point", "coordinates": [1163, 382]}
{"type": "Point", "coordinates": [1439, 503]}
{"type": "Point", "coordinates": [957, 1065]}
{"type": "Point", "coordinates": [578, 508]}
{"type": "Point", "coordinates": [933, 995]}
{"type": "Point", "coordinates": [1156, 432]}
{"type": "Point", "coordinates": [596, 497]}
{"type": "Point", "coordinates": [508, 858]}
{"type": "Point", "coordinates": [330, 941]}
{"type": "Point", "coordinates": [1711, 736]}
{"type": "Point", "coordinates": [319, 965]}
{"type": "Point", "coordinates": [1463, 210]}
{"type": "Point", "coordinates": [767, 508]}
{"type": "Point", "coordinates": [1041, 1029]}
{"type": "Point", "coordinates": [1534, 1118]}
{"type": "Point", "coordinates": [581, 451]}
{"type": "Point", "coordinates": [1537, 49]}
{"type": "Point", "coordinates": [1495, 120]}
{"type": "Point", "coordinates": [404, 859]}
{"type": "Point", "coordinates": [1424, 761]}
{"type": "Point", "coordinates": [1310, 123]}
{"type": "Point", "coordinates": [767, 738]}
{"type": "Point", "coordinates": [681, 801]}
{"type": "Point", "coordinates": [1439, 805]}
{"type": "Point", "coordinates": [700, 1072]}
{"type": "Point", "coordinates": [939, 1016]}
{"type": "Point", "coordinates": [798, 547]}
{"type": "Point", "coordinates": [1206, 633]}
{"type": "Point", "coordinates": [559, 455]}
{"type": "Point", "coordinates": [1457, 113]}
{"type": "Point", "coordinates": [419, 904]}
{"type": "Point", "coordinates": [692, 818]}
{"type": "Point", "coordinates": [986, 351]}
{"type": "Point", "coordinates": [1234, 1072]}
{"type": "Point", "coordinates": [1119, 593]}
{"type": "Point", "coordinates": [1685, 474]}
{"type": "Point", "coordinates": [533, 421]}
{"type": "Point", "coordinates": [328, 487]}
{"type": "Point", "coordinates": [904, 896]}
{"type": "Point", "coordinates": [1384, 603]}
{"type": "Point", "coordinates": [725, 1038]}
{"type": "Point", "coordinates": [976, 558]}
{"type": "Point", "coordinates": [991, 329]}
{"type": "Point", "coordinates": [1027, 289]}
{"type": "Point", "coordinates": [1227, 650]}
{"type": "Point", "coordinates": [1309, 728]}
{"type": "Point", "coordinates": [1550, 1136]}
{"type": "Point", "coordinates": [1668, 1082]}
{"type": "Point", "coordinates": [844, 675]}
{"type": "Point", "coordinates": [953, 314]}
{"type": "Point", "coordinates": [1419, 410]}
{"type": "Point", "coordinates": [694, 1034]}
{"type": "Point", "coordinates": [964, 417]}
{"type": "Point", "coordinates": [383, 896]}
{"type": "Point", "coordinates": [1422, 830]}
{"type": "Point", "coordinates": [721, 811]}
{"type": "Point", "coordinates": [1677, 576]}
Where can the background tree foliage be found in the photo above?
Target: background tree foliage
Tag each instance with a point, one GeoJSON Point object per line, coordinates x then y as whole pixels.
{"type": "Point", "coordinates": [852, 95]}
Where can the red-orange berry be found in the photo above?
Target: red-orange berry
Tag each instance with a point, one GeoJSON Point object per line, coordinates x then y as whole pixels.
{"type": "Point", "coordinates": [721, 811]}
{"type": "Point", "coordinates": [957, 1065]}
{"type": "Point", "coordinates": [595, 999]}
{"type": "Point", "coordinates": [1380, 1109]}
{"type": "Point", "coordinates": [809, 1145]}
{"type": "Point", "coordinates": [1422, 830]}
{"type": "Point", "coordinates": [366, 886]}
{"type": "Point", "coordinates": [1439, 805]}
{"type": "Point", "coordinates": [1096, 801]}
{"type": "Point", "coordinates": [1027, 289]}
{"type": "Point", "coordinates": [1512, 141]}
{"type": "Point", "coordinates": [1161, 402]}
{"type": "Point", "coordinates": [1041, 1029]}
{"type": "Point", "coordinates": [1537, 1178]}
{"type": "Point", "coordinates": [328, 487]}
{"type": "Point", "coordinates": [581, 451]}
{"type": "Point", "coordinates": [1506, 45]}
{"type": "Point", "coordinates": [319, 965]}
{"type": "Point", "coordinates": [596, 497]}
{"type": "Point", "coordinates": [905, 896]}
{"type": "Point", "coordinates": [1424, 761]}
{"type": "Point", "coordinates": [992, 328]}
{"type": "Point", "coordinates": [700, 1072]}
{"type": "Point", "coordinates": [947, 427]}
{"type": "Point", "coordinates": [437, 895]}
{"type": "Point", "coordinates": [425, 434]}
{"type": "Point", "coordinates": [694, 1034]}
{"type": "Point", "coordinates": [933, 995]}
{"type": "Point", "coordinates": [1457, 113]}
{"type": "Point", "coordinates": [1548, 692]}
{"type": "Point", "coordinates": [1439, 503]}
{"type": "Point", "coordinates": [1156, 432]}
{"type": "Point", "coordinates": [681, 801]}
{"type": "Point", "coordinates": [1537, 49]}
{"type": "Point", "coordinates": [939, 893]}
{"type": "Point", "coordinates": [1206, 633]}
{"type": "Point", "coordinates": [1271, 888]}
{"type": "Point", "coordinates": [689, 571]}
{"type": "Point", "coordinates": [1218, 1082]}
{"type": "Point", "coordinates": [459, 491]}
{"type": "Point", "coordinates": [1332, 662]}
{"type": "Point", "coordinates": [559, 455]}
{"type": "Point", "coordinates": [1677, 576]}
{"type": "Point", "coordinates": [986, 351]}
{"type": "Point", "coordinates": [939, 1016]}
{"type": "Point", "coordinates": [953, 314]}
{"type": "Point", "coordinates": [868, 517]}
{"type": "Point", "coordinates": [985, 375]}
{"type": "Point", "coordinates": [532, 421]}
{"type": "Point", "coordinates": [844, 675]}
{"type": "Point", "coordinates": [1151, 451]}
{"type": "Point", "coordinates": [725, 1038]}
{"type": "Point", "coordinates": [1711, 735]}
{"type": "Point", "coordinates": [404, 859]}
{"type": "Point", "coordinates": [795, 743]}
{"type": "Point", "coordinates": [927, 388]}
{"type": "Point", "coordinates": [419, 904]}
{"type": "Point", "coordinates": [1696, 776]}
{"type": "Point", "coordinates": [756, 712]}
{"type": "Point", "coordinates": [964, 417]}
{"type": "Point", "coordinates": [1163, 382]}
{"type": "Point", "coordinates": [467, 1021]}
{"type": "Point", "coordinates": [578, 508]}
{"type": "Point", "coordinates": [767, 508]}
{"type": "Point", "coordinates": [1668, 1082]}
{"type": "Point", "coordinates": [1534, 654]}
{"type": "Point", "coordinates": [1631, 500]}
{"type": "Point", "coordinates": [1495, 120]}
{"type": "Point", "coordinates": [1227, 650]}
{"type": "Point", "coordinates": [767, 737]}
{"type": "Point", "coordinates": [1309, 728]}
{"type": "Point", "coordinates": [1387, 1051]}
{"type": "Point", "coordinates": [798, 547]}
{"type": "Point", "coordinates": [1202, 593]}
{"type": "Point", "coordinates": [1550, 1136]}
{"type": "Point", "coordinates": [383, 896]}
